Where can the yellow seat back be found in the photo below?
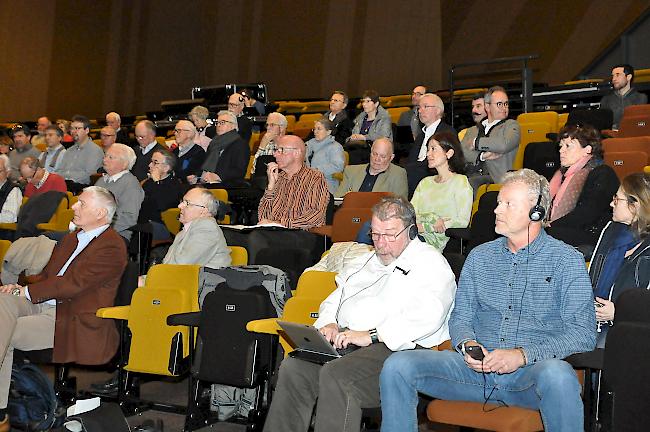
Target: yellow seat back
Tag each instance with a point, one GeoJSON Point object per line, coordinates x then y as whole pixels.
{"type": "Point", "coordinates": [316, 284]}
{"type": "Point", "coordinates": [4, 247]}
{"type": "Point", "coordinates": [531, 132]}
{"type": "Point", "coordinates": [302, 310]}
{"type": "Point", "coordinates": [238, 256]}
{"type": "Point", "coordinates": [170, 219]}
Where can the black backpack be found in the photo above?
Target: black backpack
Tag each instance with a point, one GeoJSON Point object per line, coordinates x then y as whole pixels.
{"type": "Point", "coordinates": [32, 402]}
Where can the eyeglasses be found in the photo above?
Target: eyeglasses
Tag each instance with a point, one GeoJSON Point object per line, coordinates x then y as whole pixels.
{"type": "Point", "coordinates": [188, 204]}
{"type": "Point", "coordinates": [140, 137]}
{"type": "Point", "coordinates": [629, 200]}
{"type": "Point", "coordinates": [388, 237]}
{"type": "Point", "coordinates": [223, 122]}
{"type": "Point", "coordinates": [379, 156]}
{"type": "Point", "coordinates": [336, 100]}
{"type": "Point", "coordinates": [417, 94]}
{"type": "Point", "coordinates": [428, 106]}
{"type": "Point", "coordinates": [234, 105]}
{"type": "Point", "coordinates": [283, 150]}
{"type": "Point", "coordinates": [181, 130]}
{"type": "Point", "coordinates": [103, 135]}
{"type": "Point", "coordinates": [77, 127]}
{"type": "Point", "coordinates": [156, 163]}
{"type": "Point", "coordinates": [500, 104]}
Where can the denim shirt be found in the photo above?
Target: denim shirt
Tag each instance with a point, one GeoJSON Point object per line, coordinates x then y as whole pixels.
{"type": "Point", "coordinates": [539, 299]}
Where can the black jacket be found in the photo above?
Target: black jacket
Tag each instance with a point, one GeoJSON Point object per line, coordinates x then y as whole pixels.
{"type": "Point", "coordinates": [233, 160]}
{"type": "Point", "coordinates": [141, 167]}
{"type": "Point", "coordinates": [190, 163]}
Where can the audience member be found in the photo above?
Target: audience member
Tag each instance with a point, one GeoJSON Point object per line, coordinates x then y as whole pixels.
{"type": "Point", "coordinates": [339, 116]}
{"type": "Point", "coordinates": [38, 180]}
{"type": "Point", "coordinates": [162, 191]}
{"type": "Point", "coordinates": [204, 131]}
{"type": "Point", "coordinates": [386, 301]}
{"type": "Point", "coordinates": [380, 175]}
{"type": "Point", "coordinates": [201, 240]}
{"type": "Point", "coordinates": [623, 94]}
{"type": "Point", "coordinates": [478, 108]}
{"type": "Point", "coordinates": [124, 186]}
{"type": "Point", "coordinates": [524, 302]}
{"type": "Point", "coordinates": [190, 156]}
{"type": "Point", "coordinates": [114, 121]}
{"type": "Point", "coordinates": [620, 261]}
{"type": "Point", "coordinates": [11, 198]}
{"type": "Point", "coordinates": [107, 136]}
{"type": "Point", "coordinates": [251, 102]}
{"type": "Point", "coordinates": [444, 200]}
{"type": "Point", "coordinates": [324, 153]}
{"type": "Point", "coordinates": [6, 144]}
{"type": "Point", "coordinates": [296, 196]}
{"type": "Point", "coordinates": [145, 135]}
{"type": "Point", "coordinates": [227, 157]}
{"type": "Point", "coordinates": [276, 127]}
{"type": "Point", "coordinates": [82, 159]}
{"type": "Point", "coordinates": [491, 146]}
{"type": "Point", "coordinates": [41, 124]}
{"type": "Point", "coordinates": [582, 188]}
{"type": "Point", "coordinates": [21, 135]}
{"type": "Point", "coordinates": [57, 308]}
{"type": "Point", "coordinates": [52, 157]}
{"type": "Point", "coordinates": [244, 126]}
{"type": "Point", "coordinates": [373, 122]}
{"type": "Point", "coordinates": [64, 125]}
{"type": "Point", "coordinates": [430, 110]}
{"type": "Point", "coordinates": [411, 117]}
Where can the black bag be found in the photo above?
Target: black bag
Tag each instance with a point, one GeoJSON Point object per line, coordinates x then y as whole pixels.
{"type": "Point", "coordinates": [108, 417]}
{"type": "Point", "coordinates": [32, 402]}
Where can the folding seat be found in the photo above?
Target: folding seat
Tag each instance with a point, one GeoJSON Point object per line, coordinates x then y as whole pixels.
{"type": "Point", "coordinates": [531, 132]}
{"type": "Point", "coordinates": [543, 158]}
{"type": "Point", "coordinates": [548, 117]}
{"type": "Point", "coordinates": [626, 162]}
{"type": "Point", "coordinates": [395, 113]}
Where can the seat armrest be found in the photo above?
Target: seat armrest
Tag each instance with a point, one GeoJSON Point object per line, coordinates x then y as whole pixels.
{"type": "Point", "coordinates": [115, 312]}
{"type": "Point", "coordinates": [458, 233]}
{"type": "Point", "coordinates": [267, 326]}
{"type": "Point", "coordinates": [190, 319]}
{"type": "Point", "coordinates": [587, 360]}
{"type": "Point", "coordinates": [609, 133]}
{"type": "Point", "coordinates": [325, 230]}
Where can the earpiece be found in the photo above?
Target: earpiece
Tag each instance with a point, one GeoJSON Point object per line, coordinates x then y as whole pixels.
{"type": "Point", "coordinates": [413, 231]}
{"type": "Point", "coordinates": [538, 212]}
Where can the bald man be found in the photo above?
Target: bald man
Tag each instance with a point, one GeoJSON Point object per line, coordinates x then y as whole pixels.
{"type": "Point", "coordinates": [236, 105]}
{"type": "Point", "coordinates": [430, 112]}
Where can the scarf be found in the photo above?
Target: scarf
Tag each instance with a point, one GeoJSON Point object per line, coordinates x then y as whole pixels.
{"type": "Point", "coordinates": [566, 186]}
{"type": "Point", "coordinates": [614, 261]}
{"type": "Point", "coordinates": [216, 148]}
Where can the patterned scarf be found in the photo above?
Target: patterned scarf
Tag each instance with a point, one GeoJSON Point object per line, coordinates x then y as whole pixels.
{"type": "Point", "coordinates": [566, 186]}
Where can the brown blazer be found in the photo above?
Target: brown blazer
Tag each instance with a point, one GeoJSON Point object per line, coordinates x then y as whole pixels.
{"type": "Point", "coordinates": [89, 283]}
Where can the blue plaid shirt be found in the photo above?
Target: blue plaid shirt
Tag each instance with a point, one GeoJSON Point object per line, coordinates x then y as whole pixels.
{"type": "Point", "coordinates": [539, 299]}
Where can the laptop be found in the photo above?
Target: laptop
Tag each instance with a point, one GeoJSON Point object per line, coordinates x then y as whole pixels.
{"type": "Point", "coordinates": [310, 343]}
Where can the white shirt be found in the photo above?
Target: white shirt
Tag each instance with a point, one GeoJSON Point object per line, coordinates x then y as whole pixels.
{"type": "Point", "coordinates": [10, 208]}
{"type": "Point", "coordinates": [115, 177]}
{"type": "Point", "coordinates": [428, 132]}
{"type": "Point", "coordinates": [149, 147]}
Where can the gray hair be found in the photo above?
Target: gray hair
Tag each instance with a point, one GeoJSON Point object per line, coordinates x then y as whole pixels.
{"type": "Point", "coordinates": [210, 202]}
{"type": "Point", "coordinates": [536, 184]}
{"type": "Point", "coordinates": [115, 115]}
{"type": "Point", "coordinates": [105, 199]}
{"type": "Point", "coordinates": [282, 120]}
{"type": "Point", "coordinates": [488, 94]}
{"type": "Point", "coordinates": [200, 112]}
{"type": "Point", "coordinates": [436, 100]}
{"type": "Point", "coordinates": [170, 158]}
{"type": "Point", "coordinates": [128, 154]}
{"type": "Point", "coordinates": [233, 117]}
{"type": "Point", "coordinates": [395, 207]}
{"type": "Point", "coordinates": [5, 160]}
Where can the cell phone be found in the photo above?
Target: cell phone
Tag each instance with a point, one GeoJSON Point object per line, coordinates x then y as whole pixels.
{"type": "Point", "coordinates": [598, 304]}
{"type": "Point", "coordinates": [475, 352]}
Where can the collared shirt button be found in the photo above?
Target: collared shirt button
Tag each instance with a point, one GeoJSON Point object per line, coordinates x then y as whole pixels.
{"type": "Point", "coordinates": [502, 339]}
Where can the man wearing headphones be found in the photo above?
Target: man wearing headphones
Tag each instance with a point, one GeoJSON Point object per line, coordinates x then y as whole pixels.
{"type": "Point", "coordinates": [396, 298]}
{"type": "Point", "coordinates": [524, 302]}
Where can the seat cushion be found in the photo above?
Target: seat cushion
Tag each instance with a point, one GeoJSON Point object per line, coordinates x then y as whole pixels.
{"type": "Point", "coordinates": [471, 414]}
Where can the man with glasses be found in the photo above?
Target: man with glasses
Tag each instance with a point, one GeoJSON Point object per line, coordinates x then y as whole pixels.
{"type": "Point", "coordinates": [236, 104]}
{"type": "Point", "coordinates": [339, 116]}
{"type": "Point", "coordinates": [23, 148]}
{"type": "Point", "coordinates": [380, 175]}
{"type": "Point", "coordinates": [107, 136]}
{"type": "Point", "coordinates": [82, 159]}
{"type": "Point", "coordinates": [145, 135]}
{"type": "Point", "coordinates": [41, 124]}
{"type": "Point", "coordinates": [492, 145]}
{"type": "Point", "coordinates": [411, 117]}
{"type": "Point", "coordinates": [276, 127]}
{"type": "Point", "coordinates": [430, 112]}
{"type": "Point", "coordinates": [189, 154]}
{"type": "Point", "coordinates": [52, 157]}
{"type": "Point", "coordinates": [228, 154]}
{"type": "Point", "coordinates": [396, 298]}
{"type": "Point", "coordinates": [296, 196]}
{"type": "Point", "coordinates": [114, 121]}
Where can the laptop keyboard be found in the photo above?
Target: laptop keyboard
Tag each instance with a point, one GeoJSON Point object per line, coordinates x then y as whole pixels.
{"type": "Point", "coordinates": [347, 350]}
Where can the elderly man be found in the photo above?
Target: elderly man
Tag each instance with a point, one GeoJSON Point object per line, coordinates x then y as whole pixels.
{"type": "Point", "coordinates": [524, 302]}
{"type": "Point", "coordinates": [190, 156]}
{"type": "Point", "coordinates": [52, 157]}
{"type": "Point", "coordinates": [411, 117]}
{"type": "Point", "coordinates": [21, 135]}
{"type": "Point", "coordinates": [380, 175]}
{"type": "Point", "coordinates": [201, 240]}
{"type": "Point", "coordinates": [227, 157]}
{"type": "Point", "coordinates": [296, 196]}
{"type": "Point", "coordinates": [119, 159]}
{"type": "Point", "coordinates": [10, 196]}
{"type": "Point", "coordinates": [83, 158]}
{"type": "Point", "coordinates": [622, 94]}
{"type": "Point", "coordinates": [107, 137]}
{"type": "Point", "coordinates": [145, 135]}
{"type": "Point", "coordinates": [494, 142]}
{"type": "Point", "coordinates": [244, 126]}
{"type": "Point", "coordinates": [276, 127]}
{"type": "Point", "coordinates": [387, 300]}
{"type": "Point", "coordinates": [204, 131]}
{"type": "Point", "coordinates": [430, 112]}
{"type": "Point", "coordinates": [59, 304]}
{"type": "Point", "coordinates": [41, 124]}
{"type": "Point", "coordinates": [339, 117]}
{"type": "Point", "coordinates": [114, 121]}
{"type": "Point", "coordinates": [38, 179]}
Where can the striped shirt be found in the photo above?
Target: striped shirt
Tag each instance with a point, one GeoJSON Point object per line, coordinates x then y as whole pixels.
{"type": "Point", "coordinates": [539, 299]}
{"type": "Point", "coordinates": [297, 202]}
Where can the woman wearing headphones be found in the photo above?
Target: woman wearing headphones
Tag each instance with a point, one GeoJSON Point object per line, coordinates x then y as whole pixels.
{"type": "Point", "coordinates": [621, 260]}
{"type": "Point", "coordinates": [444, 200]}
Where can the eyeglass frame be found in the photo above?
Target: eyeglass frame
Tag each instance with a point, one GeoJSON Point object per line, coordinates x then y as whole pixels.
{"type": "Point", "coordinates": [388, 237]}
{"type": "Point", "coordinates": [189, 204]}
{"type": "Point", "coordinates": [504, 104]}
{"type": "Point", "coordinates": [283, 150]}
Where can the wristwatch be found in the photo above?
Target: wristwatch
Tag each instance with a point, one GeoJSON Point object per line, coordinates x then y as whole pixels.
{"type": "Point", "coordinates": [373, 335]}
{"type": "Point", "coordinates": [16, 292]}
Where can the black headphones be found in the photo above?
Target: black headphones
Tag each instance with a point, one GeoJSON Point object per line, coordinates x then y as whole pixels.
{"type": "Point", "coordinates": [538, 212]}
{"type": "Point", "coordinates": [413, 231]}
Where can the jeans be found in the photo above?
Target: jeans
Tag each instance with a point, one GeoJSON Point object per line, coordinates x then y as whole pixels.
{"type": "Point", "coordinates": [550, 386]}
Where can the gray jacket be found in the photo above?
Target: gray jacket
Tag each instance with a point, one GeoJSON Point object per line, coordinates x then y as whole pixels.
{"type": "Point", "coordinates": [502, 138]}
{"type": "Point", "coordinates": [617, 103]}
{"type": "Point", "coordinates": [381, 127]}
{"type": "Point", "coordinates": [129, 195]}
{"type": "Point", "coordinates": [202, 242]}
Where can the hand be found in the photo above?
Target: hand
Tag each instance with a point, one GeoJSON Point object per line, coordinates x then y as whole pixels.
{"type": "Point", "coordinates": [209, 177]}
{"type": "Point", "coordinates": [7, 289]}
{"type": "Point", "coordinates": [154, 175]}
{"type": "Point", "coordinates": [264, 221]}
{"type": "Point", "coordinates": [503, 361]}
{"type": "Point", "coordinates": [475, 365]}
{"type": "Point", "coordinates": [357, 137]}
{"type": "Point", "coordinates": [270, 134]}
{"type": "Point", "coordinates": [330, 331]}
{"type": "Point", "coordinates": [606, 312]}
{"type": "Point", "coordinates": [272, 171]}
{"type": "Point", "coordinates": [491, 155]}
{"type": "Point", "coordinates": [439, 226]}
{"type": "Point", "coordinates": [191, 179]}
{"type": "Point", "coordinates": [358, 338]}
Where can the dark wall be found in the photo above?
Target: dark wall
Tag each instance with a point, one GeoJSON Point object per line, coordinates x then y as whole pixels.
{"type": "Point", "coordinates": [62, 57]}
